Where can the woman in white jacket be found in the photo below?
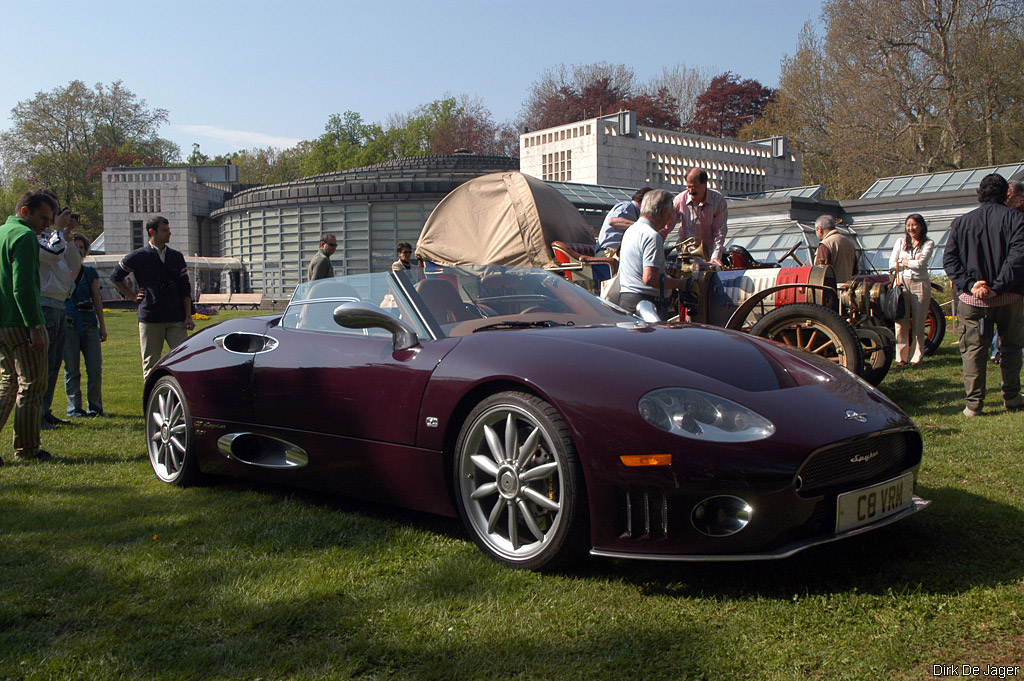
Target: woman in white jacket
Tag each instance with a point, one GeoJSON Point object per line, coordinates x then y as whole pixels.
{"type": "Point", "coordinates": [911, 256]}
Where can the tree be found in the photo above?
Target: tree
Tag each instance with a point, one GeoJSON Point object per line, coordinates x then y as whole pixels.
{"type": "Point", "coordinates": [449, 124]}
{"type": "Point", "coordinates": [197, 157]}
{"type": "Point", "coordinates": [59, 138]}
{"type": "Point", "coordinates": [728, 104]}
{"type": "Point", "coordinates": [914, 86]}
{"type": "Point", "coordinates": [266, 165]}
{"type": "Point", "coordinates": [684, 85]}
{"type": "Point", "coordinates": [567, 94]}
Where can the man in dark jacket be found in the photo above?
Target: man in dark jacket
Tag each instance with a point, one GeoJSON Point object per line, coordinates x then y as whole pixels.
{"type": "Point", "coordinates": [164, 295]}
{"type": "Point", "coordinates": [984, 258]}
{"type": "Point", "coordinates": [320, 266]}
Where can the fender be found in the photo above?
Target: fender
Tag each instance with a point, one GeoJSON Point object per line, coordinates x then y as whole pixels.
{"type": "Point", "coordinates": [879, 336]}
{"type": "Point", "coordinates": [735, 322]}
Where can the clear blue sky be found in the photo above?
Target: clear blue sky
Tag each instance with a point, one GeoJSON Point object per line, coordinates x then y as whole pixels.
{"type": "Point", "coordinates": [235, 75]}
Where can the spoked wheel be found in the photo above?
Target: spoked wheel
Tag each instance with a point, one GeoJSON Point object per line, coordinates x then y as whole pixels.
{"type": "Point", "coordinates": [518, 484]}
{"type": "Point", "coordinates": [814, 329]}
{"type": "Point", "coordinates": [934, 328]}
{"type": "Point", "coordinates": [169, 436]}
{"type": "Point", "coordinates": [878, 359]}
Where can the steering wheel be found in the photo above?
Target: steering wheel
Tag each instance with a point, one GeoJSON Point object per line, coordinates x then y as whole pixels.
{"type": "Point", "coordinates": [535, 308]}
{"type": "Point", "coordinates": [790, 254]}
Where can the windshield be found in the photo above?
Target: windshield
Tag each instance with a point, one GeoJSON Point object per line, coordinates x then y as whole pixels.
{"type": "Point", "coordinates": [452, 301]}
{"type": "Point", "coordinates": [457, 301]}
{"type": "Point", "coordinates": [312, 305]}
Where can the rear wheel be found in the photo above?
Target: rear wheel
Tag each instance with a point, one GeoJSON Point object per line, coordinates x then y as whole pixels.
{"type": "Point", "coordinates": [518, 483]}
{"type": "Point", "coordinates": [814, 329]}
{"type": "Point", "coordinates": [934, 328]}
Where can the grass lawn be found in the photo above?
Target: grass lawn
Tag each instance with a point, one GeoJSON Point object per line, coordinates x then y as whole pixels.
{"type": "Point", "coordinates": [107, 574]}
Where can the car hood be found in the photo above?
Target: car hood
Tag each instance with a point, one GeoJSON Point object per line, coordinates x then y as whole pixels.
{"type": "Point", "coordinates": [737, 359]}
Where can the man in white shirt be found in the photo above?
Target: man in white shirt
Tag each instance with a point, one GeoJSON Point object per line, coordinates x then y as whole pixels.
{"type": "Point", "coordinates": [642, 257]}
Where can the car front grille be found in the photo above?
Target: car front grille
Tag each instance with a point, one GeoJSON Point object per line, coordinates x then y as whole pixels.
{"type": "Point", "coordinates": [644, 513]}
{"type": "Point", "coordinates": [859, 461]}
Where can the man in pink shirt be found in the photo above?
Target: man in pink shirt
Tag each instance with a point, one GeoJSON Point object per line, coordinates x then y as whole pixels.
{"type": "Point", "coordinates": [702, 213]}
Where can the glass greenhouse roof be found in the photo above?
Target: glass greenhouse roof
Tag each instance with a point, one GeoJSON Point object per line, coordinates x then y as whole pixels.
{"type": "Point", "coordinates": [814, 191]}
{"type": "Point", "coordinates": [946, 181]}
{"type": "Point", "coordinates": [592, 195]}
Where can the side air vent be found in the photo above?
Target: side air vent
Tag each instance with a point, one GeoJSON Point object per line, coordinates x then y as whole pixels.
{"type": "Point", "coordinates": [644, 513]}
{"type": "Point", "coordinates": [245, 343]}
{"type": "Point", "coordinates": [262, 451]}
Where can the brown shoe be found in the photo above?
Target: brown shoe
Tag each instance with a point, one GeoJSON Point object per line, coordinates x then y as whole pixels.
{"type": "Point", "coordinates": [1014, 404]}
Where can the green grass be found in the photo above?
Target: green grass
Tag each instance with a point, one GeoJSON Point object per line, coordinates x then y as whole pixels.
{"type": "Point", "coordinates": [107, 574]}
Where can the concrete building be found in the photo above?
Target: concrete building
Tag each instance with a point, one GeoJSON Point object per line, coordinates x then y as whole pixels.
{"type": "Point", "coordinates": [614, 151]}
{"type": "Point", "coordinates": [185, 195]}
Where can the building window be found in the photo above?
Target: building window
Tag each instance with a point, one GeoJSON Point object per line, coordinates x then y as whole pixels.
{"type": "Point", "coordinates": [138, 234]}
{"type": "Point", "coordinates": [557, 166]}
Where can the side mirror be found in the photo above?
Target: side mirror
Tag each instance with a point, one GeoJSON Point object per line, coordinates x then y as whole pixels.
{"type": "Point", "coordinates": [358, 315]}
{"type": "Point", "coordinates": [645, 311]}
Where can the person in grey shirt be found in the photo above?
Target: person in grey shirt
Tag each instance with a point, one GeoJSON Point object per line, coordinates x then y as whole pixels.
{"type": "Point", "coordinates": [320, 266]}
{"type": "Point", "coordinates": [642, 257]}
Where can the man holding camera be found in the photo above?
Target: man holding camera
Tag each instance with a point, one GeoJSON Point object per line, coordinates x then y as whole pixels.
{"type": "Point", "coordinates": [164, 295]}
{"type": "Point", "coordinates": [59, 263]}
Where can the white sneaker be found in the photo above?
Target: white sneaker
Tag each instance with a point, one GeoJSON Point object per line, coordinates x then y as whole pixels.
{"type": "Point", "coordinates": [969, 413]}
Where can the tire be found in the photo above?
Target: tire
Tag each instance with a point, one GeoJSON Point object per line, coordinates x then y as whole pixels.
{"type": "Point", "coordinates": [170, 439]}
{"type": "Point", "coordinates": [529, 511]}
{"type": "Point", "coordinates": [814, 329]}
{"type": "Point", "coordinates": [934, 328]}
{"type": "Point", "coordinates": [877, 360]}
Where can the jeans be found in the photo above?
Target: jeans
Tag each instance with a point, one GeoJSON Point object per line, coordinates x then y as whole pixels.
{"type": "Point", "coordinates": [87, 344]}
{"type": "Point", "coordinates": [56, 329]}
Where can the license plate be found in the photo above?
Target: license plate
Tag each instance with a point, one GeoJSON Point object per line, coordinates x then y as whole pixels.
{"type": "Point", "coordinates": [868, 505]}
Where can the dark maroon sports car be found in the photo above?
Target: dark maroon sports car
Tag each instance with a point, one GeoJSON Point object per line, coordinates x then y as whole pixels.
{"type": "Point", "coordinates": [551, 422]}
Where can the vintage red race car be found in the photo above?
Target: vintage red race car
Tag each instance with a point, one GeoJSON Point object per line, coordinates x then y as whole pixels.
{"type": "Point", "coordinates": [551, 422]}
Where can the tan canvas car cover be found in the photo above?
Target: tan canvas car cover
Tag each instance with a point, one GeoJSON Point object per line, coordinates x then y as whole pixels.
{"type": "Point", "coordinates": [501, 219]}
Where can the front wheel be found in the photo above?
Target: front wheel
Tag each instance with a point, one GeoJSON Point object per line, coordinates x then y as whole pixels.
{"type": "Point", "coordinates": [169, 437]}
{"type": "Point", "coordinates": [815, 329]}
{"type": "Point", "coordinates": [518, 484]}
{"type": "Point", "coordinates": [878, 359]}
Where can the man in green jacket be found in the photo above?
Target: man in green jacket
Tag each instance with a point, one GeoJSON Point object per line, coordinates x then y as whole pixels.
{"type": "Point", "coordinates": [22, 329]}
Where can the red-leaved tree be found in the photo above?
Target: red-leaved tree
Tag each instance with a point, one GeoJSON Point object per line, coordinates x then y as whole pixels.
{"type": "Point", "coordinates": [728, 104]}
{"type": "Point", "coordinates": [565, 96]}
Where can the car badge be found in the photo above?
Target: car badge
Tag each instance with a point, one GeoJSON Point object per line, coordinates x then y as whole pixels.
{"type": "Point", "coordinates": [861, 458]}
{"type": "Point", "coordinates": [851, 415]}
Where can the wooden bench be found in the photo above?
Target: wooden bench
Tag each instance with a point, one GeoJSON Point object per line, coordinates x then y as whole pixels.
{"type": "Point", "coordinates": [253, 300]}
{"type": "Point", "coordinates": [218, 300]}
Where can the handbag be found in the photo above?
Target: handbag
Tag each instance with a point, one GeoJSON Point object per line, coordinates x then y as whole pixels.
{"type": "Point", "coordinates": [895, 302]}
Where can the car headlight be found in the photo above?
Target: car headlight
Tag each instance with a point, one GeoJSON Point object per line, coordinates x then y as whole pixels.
{"type": "Point", "coordinates": [704, 416]}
